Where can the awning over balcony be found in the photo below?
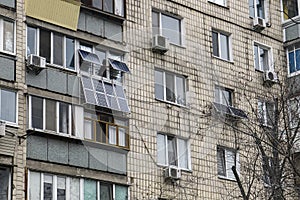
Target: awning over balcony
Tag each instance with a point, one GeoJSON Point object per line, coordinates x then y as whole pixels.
{"type": "Point", "coordinates": [104, 94]}
{"type": "Point", "coordinates": [118, 65]}
{"type": "Point", "coordinates": [229, 110]}
{"type": "Point", "coordinates": [63, 13]}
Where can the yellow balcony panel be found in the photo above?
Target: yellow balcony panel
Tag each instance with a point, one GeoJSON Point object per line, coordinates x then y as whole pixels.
{"type": "Point", "coordinates": [63, 13]}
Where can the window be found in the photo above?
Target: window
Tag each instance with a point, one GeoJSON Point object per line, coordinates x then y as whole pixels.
{"type": "Point", "coordinates": [173, 151]}
{"type": "Point", "coordinates": [56, 48]}
{"type": "Point", "coordinates": [294, 112]}
{"type": "Point", "coordinates": [220, 2]}
{"type": "Point", "coordinates": [294, 59]}
{"type": "Point", "coordinates": [262, 57]}
{"type": "Point", "coordinates": [221, 45]}
{"type": "Point", "coordinates": [170, 87]}
{"type": "Point", "coordinates": [57, 187]}
{"type": "Point", "coordinates": [107, 129]}
{"type": "Point", "coordinates": [7, 36]}
{"type": "Point", "coordinates": [116, 7]}
{"type": "Point", "coordinates": [257, 8]}
{"type": "Point", "coordinates": [167, 26]}
{"type": "Point", "coordinates": [223, 96]}
{"type": "Point", "coordinates": [226, 159]}
{"type": "Point", "coordinates": [5, 186]}
{"type": "Point", "coordinates": [47, 114]}
{"type": "Point", "coordinates": [8, 109]}
{"type": "Point", "coordinates": [290, 8]}
{"type": "Point", "coordinates": [266, 111]}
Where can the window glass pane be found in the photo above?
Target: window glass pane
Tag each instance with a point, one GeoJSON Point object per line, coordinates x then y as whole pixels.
{"type": "Point", "coordinates": [297, 60]}
{"type": "Point", "coordinates": [161, 149]}
{"type": "Point", "coordinates": [224, 47]}
{"type": "Point", "coordinates": [108, 6]}
{"type": "Point", "coordinates": [61, 188]}
{"type": "Point", "coordinates": [122, 136]}
{"type": "Point", "coordinates": [270, 113]}
{"type": "Point", "coordinates": [106, 191]}
{"type": "Point", "coordinates": [50, 115]}
{"type": "Point", "coordinates": [171, 29]}
{"type": "Point", "coordinates": [180, 86]}
{"type": "Point", "coordinates": [230, 161]}
{"type": "Point", "coordinates": [45, 45]}
{"type": "Point", "coordinates": [170, 92]}
{"type": "Point", "coordinates": [215, 41]}
{"type": "Point", "coordinates": [97, 4]}
{"type": "Point", "coordinates": [70, 53]}
{"type": "Point", "coordinates": [8, 36]}
{"type": "Point", "coordinates": [256, 58]}
{"type": "Point", "coordinates": [220, 2]}
{"type": "Point", "coordinates": [226, 97]}
{"type": "Point", "coordinates": [37, 112]}
{"type": "Point", "coordinates": [5, 182]}
{"type": "Point", "coordinates": [172, 151]}
{"type": "Point", "coordinates": [100, 70]}
{"type": "Point", "coordinates": [119, 7]}
{"type": "Point", "coordinates": [35, 186]}
{"type": "Point", "coordinates": [217, 95]}
{"type": "Point", "coordinates": [159, 85]}
{"type": "Point", "coordinates": [88, 129]}
{"type": "Point", "coordinates": [260, 8]}
{"type": "Point", "coordinates": [63, 117]}
{"type": "Point", "coordinates": [90, 190]}
{"type": "Point", "coordinates": [292, 62]}
{"type": "Point", "coordinates": [121, 192]}
{"type": "Point", "coordinates": [112, 135]}
{"type": "Point", "coordinates": [183, 153]}
{"type": "Point", "coordinates": [260, 111]}
{"type": "Point", "coordinates": [75, 189]}
{"type": "Point", "coordinates": [155, 23]}
{"type": "Point", "coordinates": [290, 8]}
{"type": "Point", "coordinates": [31, 40]}
{"type": "Point", "coordinates": [251, 8]}
{"type": "Point", "coordinates": [221, 161]}
{"type": "Point", "coordinates": [8, 106]}
{"type": "Point", "coordinates": [57, 49]}
{"type": "Point", "coordinates": [48, 187]}
{"type": "Point", "coordinates": [264, 59]}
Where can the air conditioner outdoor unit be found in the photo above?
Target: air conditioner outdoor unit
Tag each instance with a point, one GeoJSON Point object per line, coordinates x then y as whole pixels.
{"type": "Point", "coordinates": [160, 44]}
{"type": "Point", "coordinates": [270, 76]}
{"type": "Point", "coordinates": [2, 129]}
{"type": "Point", "coordinates": [172, 173]}
{"type": "Point", "coordinates": [259, 23]}
{"type": "Point", "coordinates": [36, 63]}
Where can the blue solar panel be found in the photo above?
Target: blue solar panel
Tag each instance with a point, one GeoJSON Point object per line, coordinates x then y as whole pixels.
{"type": "Point", "coordinates": [98, 86]}
{"type": "Point", "coordinates": [118, 65]}
{"type": "Point", "coordinates": [89, 57]}
{"type": "Point", "coordinates": [123, 105]}
{"type": "Point", "coordinates": [109, 89]}
{"type": "Point", "coordinates": [90, 97]}
{"type": "Point", "coordinates": [101, 99]}
{"type": "Point", "coordinates": [87, 83]}
{"type": "Point", "coordinates": [113, 104]}
{"type": "Point", "coordinates": [120, 91]}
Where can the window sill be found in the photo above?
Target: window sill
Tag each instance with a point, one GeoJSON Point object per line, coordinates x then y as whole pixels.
{"type": "Point", "coordinates": [172, 103]}
{"type": "Point", "coordinates": [8, 55]}
{"type": "Point", "coordinates": [220, 5]}
{"type": "Point", "coordinates": [178, 45]}
{"type": "Point", "coordinates": [182, 169]}
{"type": "Point", "coordinates": [219, 58]}
{"type": "Point", "coordinates": [11, 124]}
{"type": "Point", "coordinates": [290, 75]}
{"type": "Point", "coordinates": [60, 67]}
{"type": "Point", "coordinates": [226, 178]}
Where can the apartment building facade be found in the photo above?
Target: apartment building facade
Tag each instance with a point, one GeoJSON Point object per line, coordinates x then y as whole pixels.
{"type": "Point", "coordinates": [129, 99]}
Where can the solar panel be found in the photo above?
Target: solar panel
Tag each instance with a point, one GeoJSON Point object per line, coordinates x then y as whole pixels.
{"type": "Point", "coordinates": [222, 108]}
{"type": "Point", "coordinates": [101, 99]}
{"type": "Point", "coordinates": [120, 91]}
{"type": "Point", "coordinates": [86, 82]}
{"type": "Point", "coordinates": [89, 57]}
{"type": "Point", "coordinates": [238, 112]}
{"type": "Point", "coordinates": [90, 97]}
{"type": "Point", "coordinates": [98, 86]}
{"type": "Point", "coordinates": [112, 101]}
{"type": "Point", "coordinates": [118, 65]}
{"type": "Point", "coordinates": [109, 89]}
{"type": "Point", "coordinates": [123, 105]}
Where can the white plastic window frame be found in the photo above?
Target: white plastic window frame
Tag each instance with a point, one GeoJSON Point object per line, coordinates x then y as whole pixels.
{"type": "Point", "coordinates": [68, 186]}
{"type": "Point", "coordinates": [291, 103]}
{"type": "Point", "coordinates": [221, 90]}
{"type": "Point", "coordinates": [229, 45]}
{"type": "Point", "coordinates": [288, 61]}
{"type": "Point", "coordinates": [189, 168]}
{"type": "Point", "coordinates": [37, 44]}
{"type": "Point", "coordinates": [266, 10]}
{"type": "Point", "coordinates": [175, 87]}
{"type": "Point", "coordinates": [70, 117]}
{"type": "Point", "coordinates": [2, 36]}
{"type": "Point", "coordinates": [270, 56]}
{"type": "Point", "coordinates": [263, 113]}
{"type": "Point", "coordinates": [235, 161]}
{"type": "Point", "coordinates": [181, 26]}
{"type": "Point", "coordinates": [9, 123]}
